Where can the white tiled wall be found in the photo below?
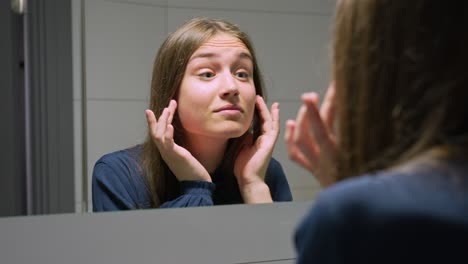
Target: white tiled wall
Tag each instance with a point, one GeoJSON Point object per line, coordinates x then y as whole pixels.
{"type": "Point", "coordinates": [120, 39]}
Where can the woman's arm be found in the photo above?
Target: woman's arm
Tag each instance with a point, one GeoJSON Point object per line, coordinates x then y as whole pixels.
{"type": "Point", "coordinates": [118, 185]}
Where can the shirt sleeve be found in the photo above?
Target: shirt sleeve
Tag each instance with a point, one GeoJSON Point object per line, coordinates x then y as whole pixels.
{"type": "Point", "coordinates": [113, 192]}
{"type": "Point", "coordinates": [193, 194]}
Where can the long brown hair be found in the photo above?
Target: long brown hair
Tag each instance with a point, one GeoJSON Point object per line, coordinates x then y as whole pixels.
{"type": "Point", "coordinates": [401, 78]}
{"type": "Point", "coordinates": [168, 72]}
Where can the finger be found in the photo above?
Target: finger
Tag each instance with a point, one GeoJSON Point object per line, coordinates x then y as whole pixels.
{"type": "Point", "coordinates": [327, 110]}
{"type": "Point", "coordinates": [169, 135]}
{"type": "Point", "coordinates": [289, 131]}
{"type": "Point", "coordinates": [289, 138]}
{"type": "Point", "coordinates": [275, 117]}
{"type": "Point", "coordinates": [310, 98]}
{"type": "Point", "coordinates": [319, 130]}
{"type": "Point", "coordinates": [151, 119]}
{"type": "Point", "coordinates": [297, 156]}
{"type": "Point", "coordinates": [161, 125]}
{"type": "Point", "coordinates": [172, 109]}
{"type": "Point", "coordinates": [264, 114]}
{"type": "Point", "coordinates": [301, 122]}
{"type": "Point", "coordinates": [294, 152]}
{"type": "Point", "coordinates": [303, 137]}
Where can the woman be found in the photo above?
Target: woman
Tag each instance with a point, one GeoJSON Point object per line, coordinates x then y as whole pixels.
{"type": "Point", "coordinates": [213, 137]}
{"type": "Point", "coordinates": [396, 168]}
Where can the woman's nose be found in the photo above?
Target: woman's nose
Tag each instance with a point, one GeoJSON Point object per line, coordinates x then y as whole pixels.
{"type": "Point", "coordinates": [229, 86]}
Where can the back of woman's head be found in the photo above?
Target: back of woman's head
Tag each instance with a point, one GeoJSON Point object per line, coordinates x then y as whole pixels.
{"type": "Point", "coordinates": [400, 74]}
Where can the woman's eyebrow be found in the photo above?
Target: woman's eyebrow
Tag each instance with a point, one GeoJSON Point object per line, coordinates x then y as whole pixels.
{"type": "Point", "coordinates": [203, 55]}
{"type": "Point", "coordinates": [245, 55]}
{"type": "Point", "coordinates": [242, 55]}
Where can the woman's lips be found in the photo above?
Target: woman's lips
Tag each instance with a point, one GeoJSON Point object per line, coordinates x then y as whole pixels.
{"type": "Point", "coordinates": [229, 109]}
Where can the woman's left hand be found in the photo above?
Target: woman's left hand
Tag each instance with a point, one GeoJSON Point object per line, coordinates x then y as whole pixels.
{"type": "Point", "coordinates": [253, 159]}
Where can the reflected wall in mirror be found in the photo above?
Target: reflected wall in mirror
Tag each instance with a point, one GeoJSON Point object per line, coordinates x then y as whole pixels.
{"type": "Point", "coordinates": [115, 45]}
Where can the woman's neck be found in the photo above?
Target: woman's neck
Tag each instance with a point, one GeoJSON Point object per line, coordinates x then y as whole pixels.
{"type": "Point", "coordinates": [208, 151]}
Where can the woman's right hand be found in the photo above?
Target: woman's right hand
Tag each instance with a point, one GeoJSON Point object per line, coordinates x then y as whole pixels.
{"type": "Point", "coordinates": [180, 161]}
{"type": "Point", "coordinates": [310, 138]}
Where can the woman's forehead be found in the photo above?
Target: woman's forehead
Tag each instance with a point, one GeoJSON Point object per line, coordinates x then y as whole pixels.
{"type": "Point", "coordinates": [224, 40]}
{"type": "Point", "coordinates": [222, 45]}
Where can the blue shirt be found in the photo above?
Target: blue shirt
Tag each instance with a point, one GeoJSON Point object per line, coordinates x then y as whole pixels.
{"type": "Point", "coordinates": [407, 216]}
{"type": "Point", "coordinates": [119, 184]}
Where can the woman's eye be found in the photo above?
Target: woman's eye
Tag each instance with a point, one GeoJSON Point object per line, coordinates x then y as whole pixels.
{"type": "Point", "coordinates": [243, 75]}
{"type": "Point", "coordinates": [206, 75]}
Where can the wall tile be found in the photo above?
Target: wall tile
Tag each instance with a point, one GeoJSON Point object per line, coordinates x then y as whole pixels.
{"type": "Point", "coordinates": [291, 6]}
{"type": "Point", "coordinates": [121, 43]}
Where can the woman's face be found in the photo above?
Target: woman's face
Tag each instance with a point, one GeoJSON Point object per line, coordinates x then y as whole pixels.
{"type": "Point", "coordinates": [217, 95]}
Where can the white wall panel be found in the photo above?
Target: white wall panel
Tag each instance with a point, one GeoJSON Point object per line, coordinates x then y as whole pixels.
{"type": "Point", "coordinates": [121, 43]}
{"type": "Point", "coordinates": [296, 6]}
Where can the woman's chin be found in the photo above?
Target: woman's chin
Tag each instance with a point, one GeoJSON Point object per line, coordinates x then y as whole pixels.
{"type": "Point", "coordinates": [232, 132]}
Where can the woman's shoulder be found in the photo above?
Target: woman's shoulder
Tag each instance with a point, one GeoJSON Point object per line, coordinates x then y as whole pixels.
{"type": "Point", "coordinates": [131, 154]}
{"type": "Point", "coordinates": [124, 164]}
{"type": "Point", "coordinates": [118, 181]}
{"type": "Point", "coordinates": [403, 209]}
{"type": "Point", "coordinates": [427, 192]}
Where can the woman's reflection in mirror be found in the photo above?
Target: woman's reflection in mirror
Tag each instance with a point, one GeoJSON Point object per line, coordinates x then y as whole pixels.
{"type": "Point", "coordinates": [210, 133]}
